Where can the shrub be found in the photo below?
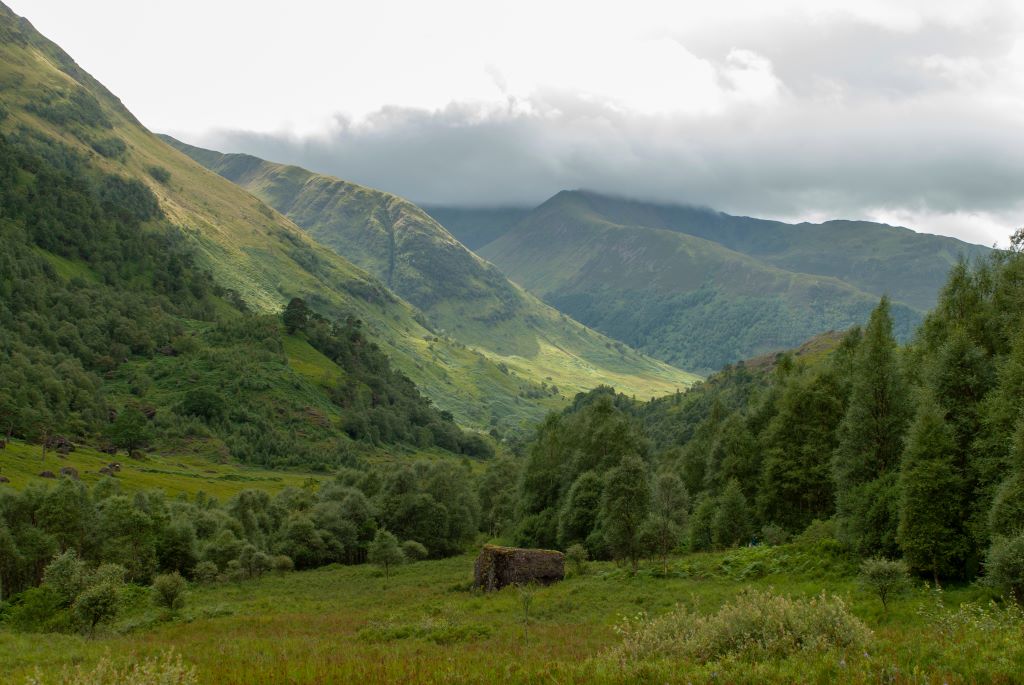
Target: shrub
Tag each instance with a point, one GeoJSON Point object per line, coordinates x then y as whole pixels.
{"type": "Point", "coordinates": [169, 591]}
{"type": "Point", "coordinates": [111, 148]}
{"type": "Point", "coordinates": [385, 552]}
{"type": "Point", "coordinates": [756, 625]}
{"type": "Point", "coordinates": [577, 557]}
{"type": "Point", "coordinates": [884, 577]}
{"type": "Point", "coordinates": [1004, 566]}
{"type": "Point", "coordinates": [282, 563]}
{"type": "Point", "coordinates": [161, 670]}
{"type": "Point", "coordinates": [205, 572]}
{"type": "Point", "coordinates": [35, 609]}
{"type": "Point", "coordinates": [414, 551]}
{"type": "Point", "coordinates": [774, 535]}
{"type": "Point", "coordinates": [159, 173]}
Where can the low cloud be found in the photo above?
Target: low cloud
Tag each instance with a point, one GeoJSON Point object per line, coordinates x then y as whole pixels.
{"type": "Point", "coordinates": [912, 121]}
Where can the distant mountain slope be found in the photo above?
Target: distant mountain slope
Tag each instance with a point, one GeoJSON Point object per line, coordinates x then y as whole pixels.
{"type": "Point", "coordinates": [461, 294]}
{"type": "Point", "coordinates": [476, 226]}
{"type": "Point", "coordinates": [680, 297]}
{"type": "Point", "coordinates": [265, 258]}
{"type": "Point", "coordinates": [877, 258]}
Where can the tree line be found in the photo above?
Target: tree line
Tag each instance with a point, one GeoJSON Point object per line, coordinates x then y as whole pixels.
{"type": "Point", "coordinates": [913, 451]}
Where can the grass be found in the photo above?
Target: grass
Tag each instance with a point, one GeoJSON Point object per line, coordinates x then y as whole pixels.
{"type": "Point", "coordinates": [174, 474]}
{"type": "Point", "coordinates": [340, 624]}
{"type": "Point", "coordinates": [310, 363]}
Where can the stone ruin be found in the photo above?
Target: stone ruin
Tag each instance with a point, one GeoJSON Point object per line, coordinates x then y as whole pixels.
{"type": "Point", "coordinates": [497, 567]}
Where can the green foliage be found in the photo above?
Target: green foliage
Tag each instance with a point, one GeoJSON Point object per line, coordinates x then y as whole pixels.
{"type": "Point", "coordinates": [577, 556]}
{"type": "Point", "coordinates": [1004, 566]}
{"type": "Point", "coordinates": [755, 626]}
{"type": "Point", "coordinates": [159, 173]}
{"type": "Point", "coordinates": [97, 603]}
{"type": "Point", "coordinates": [930, 533]}
{"type": "Point", "coordinates": [67, 575]}
{"type": "Point", "coordinates": [385, 551]}
{"type": "Point", "coordinates": [871, 441]}
{"type": "Point", "coordinates": [169, 591]}
{"type": "Point", "coordinates": [414, 551]}
{"type": "Point", "coordinates": [625, 506]}
{"type": "Point", "coordinates": [730, 525]}
{"type": "Point", "coordinates": [129, 430]}
{"type": "Point", "coordinates": [884, 577]}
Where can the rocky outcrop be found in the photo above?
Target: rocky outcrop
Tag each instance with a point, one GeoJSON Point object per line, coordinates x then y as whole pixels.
{"type": "Point", "coordinates": [497, 567]}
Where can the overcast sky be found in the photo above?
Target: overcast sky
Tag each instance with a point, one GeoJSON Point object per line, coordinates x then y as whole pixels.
{"type": "Point", "coordinates": [906, 112]}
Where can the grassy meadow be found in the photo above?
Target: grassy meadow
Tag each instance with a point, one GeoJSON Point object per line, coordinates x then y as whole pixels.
{"type": "Point", "coordinates": [426, 625]}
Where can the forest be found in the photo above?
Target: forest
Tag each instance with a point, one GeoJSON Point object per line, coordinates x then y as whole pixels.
{"type": "Point", "coordinates": [912, 451]}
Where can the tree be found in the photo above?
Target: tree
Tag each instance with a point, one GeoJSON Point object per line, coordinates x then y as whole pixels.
{"type": "Point", "coordinates": [581, 509]}
{"type": "Point", "coordinates": [130, 430]}
{"type": "Point", "coordinates": [67, 575]}
{"type": "Point", "coordinates": [670, 502]}
{"type": "Point", "coordinates": [385, 552]}
{"type": "Point", "coordinates": [883, 577]}
{"type": "Point", "coordinates": [9, 559]}
{"type": "Point", "coordinates": [731, 523]}
{"type": "Point", "coordinates": [169, 591]}
{"type": "Point", "coordinates": [701, 523]}
{"type": "Point", "coordinates": [931, 532]}
{"type": "Point", "coordinates": [1004, 566]}
{"type": "Point", "coordinates": [867, 457]}
{"type": "Point", "coordinates": [99, 602]}
{"type": "Point", "coordinates": [296, 315]}
{"type": "Point", "coordinates": [625, 505]}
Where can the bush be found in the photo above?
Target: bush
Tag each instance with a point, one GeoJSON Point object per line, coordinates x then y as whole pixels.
{"type": "Point", "coordinates": [161, 670]}
{"type": "Point", "coordinates": [774, 535]}
{"type": "Point", "coordinates": [1004, 566]}
{"type": "Point", "coordinates": [414, 551]}
{"type": "Point", "coordinates": [883, 577]}
{"type": "Point", "coordinates": [169, 591]}
{"type": "Point", "coordinates": [756, 625]}
{"type": "Point", "coordinates": [35, 610]}
{"type": "Point", "coordinates": [159, 173]}
{"type": "Point", "coordinates": [205, 572]}
{"type": "Point", "coordinates": [282, 563]}
{"type": "Point", "coordinates": [577, 557]}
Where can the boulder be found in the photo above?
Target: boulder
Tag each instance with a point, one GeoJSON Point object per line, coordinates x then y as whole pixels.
{"type": "Point", "coordinates": [69, 471]}
{"type": "Point", "coordinates": [4, 479]}
{"type": "Point", "coordinates": [497, 567]}
{"type": "Point", "coordinates": [60, 443]}
{"type": "Point", "coordinates": [47, 474]}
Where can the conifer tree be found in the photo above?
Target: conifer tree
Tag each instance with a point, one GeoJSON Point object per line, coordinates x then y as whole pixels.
{"type": "Point", "coordinates": [931, 532]}
{"type": "Point", "coordinates": [866, 460]}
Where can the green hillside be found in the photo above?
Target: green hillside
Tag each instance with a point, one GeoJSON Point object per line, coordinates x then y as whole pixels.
{"type": "Point", "coordinates": [684, 299]}
{"type": "Point", "coordinates": [256, 256]}
{"type": "Point", "coordinates": [476, 226]}
{"type": "Point", "coordinates": [877, 258]}
{"type": "Point", "coordinates": [461, 295]}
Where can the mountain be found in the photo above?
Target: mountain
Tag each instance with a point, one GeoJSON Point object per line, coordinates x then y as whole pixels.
{"type": "Point", "coordinates": [700, 289]}
{"type": "Point", "coordinates": [460, 294]}
{"type": "Point", "coordinates": [474, 227]}
{"type": "Point", "coordinates": [117, 238]}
